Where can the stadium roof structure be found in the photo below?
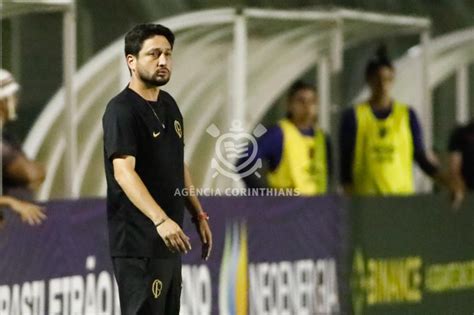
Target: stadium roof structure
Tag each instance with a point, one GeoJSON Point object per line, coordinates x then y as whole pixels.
{"type": "Point", "coordinates": [10, 8]}
{"type": "Point", "coordinates": [13, 8]}
{"type": "Point", "coordinates": [449, 54]}
{"type": "Point", "coordinates": [229, 65]}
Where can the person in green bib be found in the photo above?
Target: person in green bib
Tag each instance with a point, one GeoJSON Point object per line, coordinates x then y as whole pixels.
{"type": "Point", "coordinates": [381, 138]}
{"type": "Point", "coordinates": [297, 152]}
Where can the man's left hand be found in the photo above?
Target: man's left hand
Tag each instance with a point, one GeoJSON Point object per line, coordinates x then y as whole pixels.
{"type": "Point", "coordinates": [205, 234]}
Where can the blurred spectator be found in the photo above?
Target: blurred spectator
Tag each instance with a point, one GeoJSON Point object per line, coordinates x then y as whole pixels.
{"type": "Point", "coordinates": [381, 137]}
{"type": "Point", "coordinates": [296, 150]}
{"type": "Point", "coordinates": [461, 158]}
{"type": "Point", "coordinates": [20, 175]}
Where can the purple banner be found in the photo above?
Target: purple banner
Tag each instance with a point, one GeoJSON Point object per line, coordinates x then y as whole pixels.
{"type": "Point", "coordinates": [271, 255]}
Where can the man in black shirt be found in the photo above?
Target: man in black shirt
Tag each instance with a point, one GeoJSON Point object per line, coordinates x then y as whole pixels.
{"type": "Point", "coordinates": [144, 165]}
{"type": "Point", "coordinates": [461, 159]}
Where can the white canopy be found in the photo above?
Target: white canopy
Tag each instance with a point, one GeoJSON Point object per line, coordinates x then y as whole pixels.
{"type": "Point", "coordinates": [11, 8]}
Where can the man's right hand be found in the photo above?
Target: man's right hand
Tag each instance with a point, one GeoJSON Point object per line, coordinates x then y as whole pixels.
{"type": "Point", "coordinates": [173, 236]}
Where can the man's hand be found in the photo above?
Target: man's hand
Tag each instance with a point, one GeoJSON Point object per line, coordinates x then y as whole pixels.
{"type": "Point", "coordinates": [173, 236]}
{"type": "Point", "coordinates": [347, 190]}
{"type": "Point", "coordinates": [205, 234]}
{"type": "Point", "coordinates": [199, 216]}
{"type": "Point", "coordinates": [29, 213]}
{"type": "Point", "coordinates": [458, 192]}
{"type": "Point", "coordinates": [455, 187]}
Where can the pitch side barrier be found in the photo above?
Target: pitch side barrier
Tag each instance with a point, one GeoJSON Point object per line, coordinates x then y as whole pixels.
{"type": "Point", "coordinates": [271, 255]}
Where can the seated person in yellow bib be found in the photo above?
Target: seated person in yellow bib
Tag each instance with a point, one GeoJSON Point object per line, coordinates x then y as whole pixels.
{"type": "Point", "coordinates": [381, 138]}
{"type": "Point", "coordinates": [296, 151]}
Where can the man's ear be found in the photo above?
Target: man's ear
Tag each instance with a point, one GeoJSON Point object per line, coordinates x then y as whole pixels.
{"type": "Point", "coordinates": [131, 62]}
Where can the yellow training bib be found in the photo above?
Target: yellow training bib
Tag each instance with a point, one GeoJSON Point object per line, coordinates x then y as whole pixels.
{"type": "Point", "coordinates": [383, 157]}
{"type": "Point", "coordinates": [303, 164]}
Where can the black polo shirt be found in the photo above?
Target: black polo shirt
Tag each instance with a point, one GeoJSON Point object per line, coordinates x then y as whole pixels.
{"type": "Point", "coordinates": [131, 128]}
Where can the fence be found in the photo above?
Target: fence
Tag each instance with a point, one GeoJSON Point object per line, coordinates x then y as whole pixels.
{"type": "Point", "coordinates": [272, 255]}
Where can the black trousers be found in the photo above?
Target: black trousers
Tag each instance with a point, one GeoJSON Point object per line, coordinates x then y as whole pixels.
{"type": "Point", "coordinates": [148, 286]}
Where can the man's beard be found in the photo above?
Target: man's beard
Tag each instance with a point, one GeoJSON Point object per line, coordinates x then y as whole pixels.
{"type": "Point", "coordinates": [152, 80]}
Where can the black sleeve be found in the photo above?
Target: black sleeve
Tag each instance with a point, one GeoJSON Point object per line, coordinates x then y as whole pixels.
{"type": "Point", "coordinates": [119, 131]}
{"type": "Point", "coordinates": [421, 159]}
{"type": "Point", "coordinates": [347, 139]}
{"type": "Point", "coordinates": [170, 100]}
{"type": "Point", "coordinates": [455, 142]}
{"type": "Point", "coordinates": [252, 180]}
{"type": "Point", "coordinates": [329, 158]}
{"type": "Point", "coordinates": [9, 153]}
{"type": "Point", "coordinates": [269, 150]}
